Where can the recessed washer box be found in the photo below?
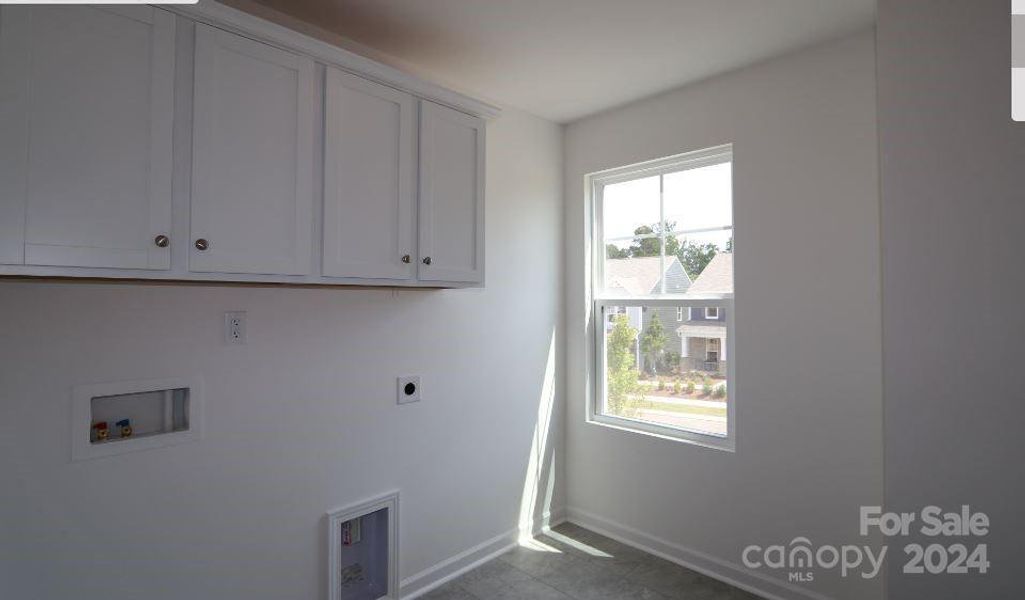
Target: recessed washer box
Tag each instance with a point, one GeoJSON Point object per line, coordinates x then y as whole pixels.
{"type": "Point", "coordinates": [157, 412]}
{"type": "Point", "coordinates": [363, 550]}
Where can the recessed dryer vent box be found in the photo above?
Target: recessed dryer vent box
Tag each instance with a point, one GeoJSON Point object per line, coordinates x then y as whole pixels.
{"type": "Point", "coordinates": [118, 417]}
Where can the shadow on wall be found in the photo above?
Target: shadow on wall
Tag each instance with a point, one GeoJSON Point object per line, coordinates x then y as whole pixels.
{"type": "Point", "coordinates": [539, 481]}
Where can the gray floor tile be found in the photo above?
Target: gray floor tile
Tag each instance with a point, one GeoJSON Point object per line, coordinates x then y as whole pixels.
{"type": "Point", "coordinates": [498, 580]}
{"type": "Point", "coordinates": [623, 588]}
{"type": "Point", "coordinates": [573, 563]}
{"type": "Point", "coordinates": [532, 589]}
{"type": "Point", "coordinates": [579, 578]}
{"type": "Point", "coordinates": [449, 591]}
{"type": "Point", "coordinates": [669, 579]}
{"type": "Point", "coordinates": [539, 564]}
{"type": "Point", "coordinates": [607, 553]}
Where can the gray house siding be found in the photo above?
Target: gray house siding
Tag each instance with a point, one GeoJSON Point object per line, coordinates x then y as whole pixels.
{"type": "Point", "coordinates": [676, 277]}
{"type": "Point", "coordinates": [697, 347]}
{"type": "Point", "coordinates": [669, 325]}
{"type": "Point", "coordinates": [677, 282]}
{"type": "Point", "coordinates": [698, 315]}
{"type": "Point", "coordinates": [700, 333]}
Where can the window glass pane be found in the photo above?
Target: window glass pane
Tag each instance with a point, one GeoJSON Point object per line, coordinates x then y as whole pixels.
{"type": "Point", "coordinates": [698, 209]}
{"type": "Point", "coordinates": [697, 268]}
{"type": "Point", "coordinates": [637, 276]}
{"type": "Point", "coordinates": [700, 198]}
{"type": "Point", "coordinates": [629, 206]}
{"type": "Point", "coordinates": [677, 279]}
{"type": "Point", "coordinates": [632, 244]}
{"type": "Point", "coordinates": [666, 372]}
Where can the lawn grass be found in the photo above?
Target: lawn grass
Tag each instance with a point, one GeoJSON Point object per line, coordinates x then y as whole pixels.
{"type": "Point", "coordinates": [684, 409]}
{"type": "Point", "coordinates": [692, 410]}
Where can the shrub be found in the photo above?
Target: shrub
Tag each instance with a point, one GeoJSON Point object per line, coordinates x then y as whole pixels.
{"type": "Point", "coordinates": [669, 362]}
{"type": "Point", "coordinates": [661, 384]}
{"type": "Point", "coordinates": [706, 390]}
{"type": "Point", "coordinates": [676, 387]}
{"type": "Point", "coordinates": [622, 376]}
{"type": "Point", "coordinates": [690, 387]}
{"type": "Point", "coordinates": [719, 391]}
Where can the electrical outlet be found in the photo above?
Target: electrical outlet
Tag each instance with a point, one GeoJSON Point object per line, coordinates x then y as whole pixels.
{"type": "Point", "coordinates": [409, 389]}
{"type": "Point", "coordinates": [235, 327]}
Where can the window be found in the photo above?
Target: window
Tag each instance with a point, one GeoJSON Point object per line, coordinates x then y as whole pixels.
{"type": "Point", "coordinates": [712, 350]}
{"type": "Point", "coordinates": [663, 244]}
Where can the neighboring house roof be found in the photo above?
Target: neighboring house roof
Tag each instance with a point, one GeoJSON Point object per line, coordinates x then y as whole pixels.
{"type": "Point", "coordinates": [717, 278]}
{"type": "Point", "coordinates": [637, 276]}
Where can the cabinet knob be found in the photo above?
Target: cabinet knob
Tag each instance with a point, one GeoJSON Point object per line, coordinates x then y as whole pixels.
{"type": "Point", "coordinates": [427, 260]}
{"type": "Point", "coordinates": [161, 241]}
{"type": "Point", "coordinates": [405, 258]}
{"type": "Point", "coordinates": [202, 244]}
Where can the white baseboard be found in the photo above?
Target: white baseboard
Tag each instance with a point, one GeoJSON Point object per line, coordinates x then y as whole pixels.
{"type": "Point", "coordinates": [723, 570]}
{"type": "Point", "coordinates": [440, 573]}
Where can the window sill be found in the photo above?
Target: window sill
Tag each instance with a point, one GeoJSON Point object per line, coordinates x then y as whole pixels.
{"type": "Point", "coordinates": [704, 440]}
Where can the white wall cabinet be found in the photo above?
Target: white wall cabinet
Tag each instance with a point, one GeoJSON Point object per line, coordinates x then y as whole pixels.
{"type": "Point", "coordinates": [102, 108]}
{"type": "Point", "coordinates": [451, 223]}
{"type": "Point", "coordinates": [252, 157]}
{"type": "Point", "coordinates": [369, 179]}
{"type": "Point", "coordinates": [85, 153]}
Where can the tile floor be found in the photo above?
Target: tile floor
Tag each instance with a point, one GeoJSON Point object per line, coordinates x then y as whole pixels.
{"type": "Point", "coordinates": [573, 563]}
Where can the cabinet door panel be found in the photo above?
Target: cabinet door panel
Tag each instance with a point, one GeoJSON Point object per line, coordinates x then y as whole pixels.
{"type": "Point", "coordinates": [451, 195]}
{"type": "Point", "coordinates": [252, 197]}
{"type": "Point", "coordinates": [87, 135]}
{"type": "Point", "coordinates": [369, 179]}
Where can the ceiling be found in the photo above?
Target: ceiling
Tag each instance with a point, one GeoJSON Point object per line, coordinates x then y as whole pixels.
{"type": "Point", "coordinates": [565, 59]}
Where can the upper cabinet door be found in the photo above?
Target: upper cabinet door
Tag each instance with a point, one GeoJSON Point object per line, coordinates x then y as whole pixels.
{"type": "Point", "coordinates": [369, 179]}
{"type": "Point", "coordinates": [86, 109]}
{"type": "Point", "coordinates": [252, 157]}
{"type": "Point", "coordinates": [451, 195]}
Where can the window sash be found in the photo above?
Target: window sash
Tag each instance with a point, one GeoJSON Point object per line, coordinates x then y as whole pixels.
{"type": "Point", "coordinates": [674, 164]}
{"type": "Point", "coordinates": [596, 405]}
{"type": "Point", "coordinates": [676, 233]}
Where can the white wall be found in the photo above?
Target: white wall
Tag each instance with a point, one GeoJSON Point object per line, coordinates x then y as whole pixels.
{"type": "Point", "coordinates": [301, 420]}
{"type": "Point", "coordinates": [953, 278]}
{"type": "Point", "coordinates": [809, 441]}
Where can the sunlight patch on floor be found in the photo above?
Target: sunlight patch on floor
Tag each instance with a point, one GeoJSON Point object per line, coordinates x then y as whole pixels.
{"type": "Point", "coordinates": [555, 535]}
{"type": "Point", "coordinates": [538, 546]}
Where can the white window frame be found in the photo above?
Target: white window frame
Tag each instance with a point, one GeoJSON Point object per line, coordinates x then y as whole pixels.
{"type": "Point", "coordinates": [709, 312]}
{"type": "Point", "coordinates": [599, 300]}
{"type": "Point", "coordinates": [679, 314]}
